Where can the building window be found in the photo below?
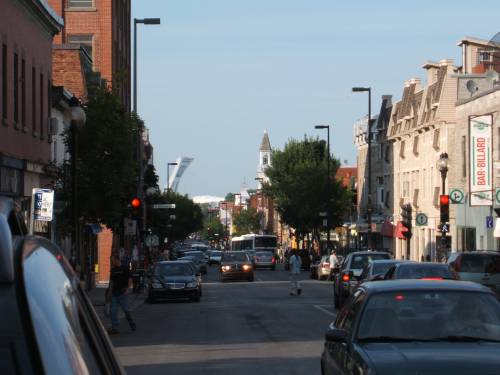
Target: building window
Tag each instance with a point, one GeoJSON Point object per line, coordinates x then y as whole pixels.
{"type": "Point", "coordinates": [41, 105]}
{"type": "Point", "coordinates": [402, 150]}
{"type": "Point", "coordinates": [10, 181]}
{"type": "Point", "coordinates": [23, 93]}
{"type": "Point", "coordinates": [85, 41]}
{"type": "Point", "coordinates": [16, 89]}
{"type": "Point", "coordinates": [33, 100]}
{"type": "Point", "coordinates": [406, 189]}
{"type": "Point", "coordinates": [80, 3]}
{"type": "Point", "coordinates": [435, 141]}
{"type": "Point", "coordinates": [4, 81]}
{"type": "Point", "coordinates": [264, 160]}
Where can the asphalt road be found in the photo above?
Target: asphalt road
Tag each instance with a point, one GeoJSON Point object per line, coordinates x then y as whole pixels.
{"type": "Point", "coordinates": [237, 328]}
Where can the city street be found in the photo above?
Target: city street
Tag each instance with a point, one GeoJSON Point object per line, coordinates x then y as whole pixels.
{"type": "Point", "coordinates": [237, 328]}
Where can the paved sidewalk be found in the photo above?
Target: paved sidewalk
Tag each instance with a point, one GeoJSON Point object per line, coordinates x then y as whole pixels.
{"type": "Point", "coordinates": [97, 297]}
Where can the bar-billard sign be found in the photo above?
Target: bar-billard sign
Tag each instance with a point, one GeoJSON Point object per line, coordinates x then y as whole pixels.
{"type": "Point", "coordinates": [481, 181]}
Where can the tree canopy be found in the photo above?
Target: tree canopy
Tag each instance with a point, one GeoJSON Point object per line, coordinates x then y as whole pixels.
{"type": "Point", "coordinates": [299, 186]}
{"type": "Point", "coordinates": [247, 221]}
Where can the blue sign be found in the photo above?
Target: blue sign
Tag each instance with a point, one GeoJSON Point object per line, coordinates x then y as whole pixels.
{"type": "Point", "coordinates": [489, 222]}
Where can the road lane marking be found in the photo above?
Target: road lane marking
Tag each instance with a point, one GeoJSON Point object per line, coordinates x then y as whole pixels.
{"type": "Point", "coordinates": [328, 312]}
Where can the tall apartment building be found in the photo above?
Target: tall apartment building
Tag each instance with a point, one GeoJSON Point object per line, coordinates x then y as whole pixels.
{"type": "Point", "coordinates": [26, 31]}
{"type": "Point", "coordinates": [102, 28]}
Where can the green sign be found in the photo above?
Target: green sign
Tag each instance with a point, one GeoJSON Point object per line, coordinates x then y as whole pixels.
{"type": "Point", "coordinates": [497, 196]}
{"type": "Point", "coordinates": [457, 196]}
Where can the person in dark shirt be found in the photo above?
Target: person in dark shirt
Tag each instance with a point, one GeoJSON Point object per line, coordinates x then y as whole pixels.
{"type": "Point", "coordinates": [120, 284]}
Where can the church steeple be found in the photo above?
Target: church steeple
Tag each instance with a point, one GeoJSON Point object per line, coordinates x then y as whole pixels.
{"type": "Point", "coordinates": [264, 158]}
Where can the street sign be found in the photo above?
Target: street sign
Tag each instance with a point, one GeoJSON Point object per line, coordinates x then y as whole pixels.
{"type": "Point", "coordinates": [421, 219]}
{"type": "Point", "coordinates": [164, 205]}
{"type": "Point", "coordinates": [489, 222]}
{"type": "Point", "coordinates": [457, 196]}
{"type": "Point", "coordinates": [43, 204]}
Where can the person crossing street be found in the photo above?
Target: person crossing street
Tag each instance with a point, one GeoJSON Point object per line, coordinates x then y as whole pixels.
{"type": "Point", "coordinates": [295, 266]}
{"type": "Point", "coordinates": [118, 291]}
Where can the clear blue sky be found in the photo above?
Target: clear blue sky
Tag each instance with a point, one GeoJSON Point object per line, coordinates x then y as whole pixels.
{"type": "Point", "coordinates": [217, 73]}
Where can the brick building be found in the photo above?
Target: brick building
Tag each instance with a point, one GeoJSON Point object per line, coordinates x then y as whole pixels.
{"type": "Point", "coordinates": [102, 28]}
{"type": "Point", "coordinates": [26, 31]}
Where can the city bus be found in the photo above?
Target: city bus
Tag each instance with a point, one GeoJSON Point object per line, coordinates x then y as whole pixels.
{"type": "Point", "coordinates": [255, 242]}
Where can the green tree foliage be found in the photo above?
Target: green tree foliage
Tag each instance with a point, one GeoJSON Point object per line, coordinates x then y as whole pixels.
{"type": "Point", "coordinates": [150, 177]}
{"type": "Point", "coordinates": [247, 221]}
{"type": "Point", "coordinates": [188, 216]}
{"type": "Point", "coordinates": [299, 188]}
{"type": "Point", "coordinates": [106, 167]}
{"type": "Point", "coordinates": [229, 197]}
{"type": "Point", "coordinates": [213, 226]}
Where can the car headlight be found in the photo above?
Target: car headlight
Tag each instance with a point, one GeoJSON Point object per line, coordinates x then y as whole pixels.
{"type": "Point", "coordinates": [226, 268]}
{"type": "Point", "coordinates": [156, 285]}
{"type": "Point", "coordinates": [246, 267]}
{"type": "Point", "coordinates": [192, 284]}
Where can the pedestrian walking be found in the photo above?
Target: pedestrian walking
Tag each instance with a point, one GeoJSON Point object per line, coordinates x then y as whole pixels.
{"type": "Point", "coordinates": [295, 266]}
{"type": "Point", "coordinates": [334, 262]}
{"type": "Point", "coordinates": [118, 292]}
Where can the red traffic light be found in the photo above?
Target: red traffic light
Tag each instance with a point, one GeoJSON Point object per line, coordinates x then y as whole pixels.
{"type": "Point", "coordinates": [444, 200]}
{"type": "Point", "coordinates": [135, 203]}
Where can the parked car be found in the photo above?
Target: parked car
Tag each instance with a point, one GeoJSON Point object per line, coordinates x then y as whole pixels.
{"type": "Point", "coordinates": [174, 280]}
{"type": "Point", "coordinates": [264, 259]}
{"type": "Point", "coordinates": [48, 324]}
{"type": "Point", "coordinates": [482, 267]}
{"type": "Point", "coordinates": [377, 269]}
{"type": "Point", "coordinates": [415, 327]}
{"type": "Point", "coordinates": [415, 270]}
{"type": "Point", "coordinates": [214, 256]}
{"type": "Point", "coordinates": [346, 280]}
{"type": "Point", "coordinates": [236, 265]}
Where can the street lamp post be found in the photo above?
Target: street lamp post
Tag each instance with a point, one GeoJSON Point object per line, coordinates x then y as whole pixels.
{"type": "Point", "coordinates": [75, 117]}
{"type": "Point", "coordinates": [369, 139]}
{"type": "Point", "coordinates": [225, 221]}
{"type": "Point", "coordinates": [442, 166]}
{"type": "Point", "coordinates": [168, 175]}
{"type": "Point", "coordinates": [328, 183]}
{"type": "Point", "coordinates": [140, 146]}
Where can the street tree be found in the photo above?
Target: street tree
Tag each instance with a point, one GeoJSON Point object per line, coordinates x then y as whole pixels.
{"type": "Point", "coordinates": [247, 221]}
{"type": "Point", "coordinates": [300, 189]}
{"type": "Point", "coordinates": [175, 224]}
{"type": "Point", "coordinates": [105, 165]}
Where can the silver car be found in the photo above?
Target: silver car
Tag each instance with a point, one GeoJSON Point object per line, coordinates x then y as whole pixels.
{"type": "Point", "coordinates": [482, 267]}
{"type": "Point", "coordinates": [264, 259]}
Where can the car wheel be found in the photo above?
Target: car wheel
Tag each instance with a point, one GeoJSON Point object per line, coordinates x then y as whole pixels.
{"type": "Point", "coordinates": [151, 298]}
{"type": "Point", "coordinates": [196, 298]}
{"type": "Point", "coordinates": [273, 268]}
{"type": "Point", "coordinates": [250, 278]}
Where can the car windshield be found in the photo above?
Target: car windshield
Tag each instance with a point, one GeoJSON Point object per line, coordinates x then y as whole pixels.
{"type": "Point", "coordinates": [480, 263]}
{"type": "Point", "coordinates": [173, 269]}
{"type": "Point", "coordinates": [235, 257]}
{"type": "Point", "coordinates": [265, 242]}
{"type": "Point", "coordinates": [360, 261]}
{"type": "Point", "coordinates": [419, 271]}
{"type": "Point", "coordinates": [380, 268]}
{"type": "Point", "coordinates": [216, 253]}
{"type": "Point", "coordinates": [430, 315]}
{"type": "Point", "coordinates": [263, 254]}
{"type": "Point", "coordinates": [197, 254]}
{"type": "Point", "coordinates": [190, 258]}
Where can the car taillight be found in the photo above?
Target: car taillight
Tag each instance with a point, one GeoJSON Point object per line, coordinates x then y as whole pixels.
{"type": "Point", "coordinates": [274, 260]}
{"type": "Point", "coordinates": [345, 277]}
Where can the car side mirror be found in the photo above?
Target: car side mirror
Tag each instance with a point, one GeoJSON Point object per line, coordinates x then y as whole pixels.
{"type": "Point", "coordinates": [336, 335]}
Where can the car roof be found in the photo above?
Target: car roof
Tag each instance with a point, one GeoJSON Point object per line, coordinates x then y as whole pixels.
{"type": "Point", "coordinates": [412, 284]}
{"type": "Point", "coordinates": [390, 261]}
{"type": "Point", "coordinates": [368, 252]}
{"type": "Point", "coordinates": [420, 264]}
{"type": "Point", "coordinates": [173, 262]}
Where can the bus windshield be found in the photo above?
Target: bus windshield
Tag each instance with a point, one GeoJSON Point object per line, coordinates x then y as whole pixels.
{"type": "Point", "coordinates": [267, 242]}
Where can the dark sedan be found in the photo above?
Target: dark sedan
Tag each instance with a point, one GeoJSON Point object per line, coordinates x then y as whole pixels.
{"type": "Point", "coordinates": [200, 263]}
{"type": "Point", "coordinates": [415, 327]}
{"type": "Point", "coordinates": [174, 280]}
{"type": "Point", "coordinates": [414, 270]}
{"type": "Point", "coordinates": [236, 265]}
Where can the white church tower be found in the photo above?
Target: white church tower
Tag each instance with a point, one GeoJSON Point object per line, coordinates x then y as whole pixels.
{"type": "Point", "coordinates": [264, 159]}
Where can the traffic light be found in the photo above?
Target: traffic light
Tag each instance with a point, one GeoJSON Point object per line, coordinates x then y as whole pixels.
{"type": "Point", "coordinates": [406, 213]}
{"type": "Point", "coordinates": [444, 208]}
{"type": "Point", "coordinates": [136, 206]}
